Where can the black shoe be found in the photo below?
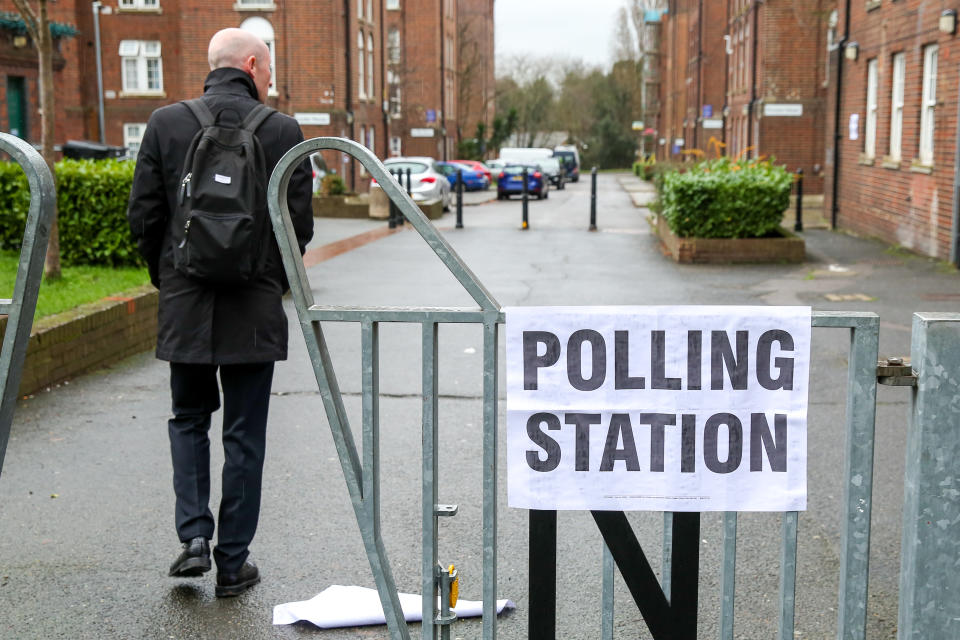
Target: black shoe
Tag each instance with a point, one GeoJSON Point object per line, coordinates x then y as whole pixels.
{"type": "Point", "coordinates": [233, 584]}
{"type": "Point", "coordinates": [194, 560]}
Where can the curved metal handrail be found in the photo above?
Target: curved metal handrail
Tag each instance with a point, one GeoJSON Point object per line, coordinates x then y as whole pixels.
{"type": "Point", "coordinates": [20, 309]}
{"type": "Point", "coordinates": [280, 216]}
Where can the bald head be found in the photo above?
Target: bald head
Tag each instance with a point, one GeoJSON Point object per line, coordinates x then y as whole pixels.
{"type": "Point", "coordinates": [233, 47]}
{"type": "Point", "coordinates": [240, 49]}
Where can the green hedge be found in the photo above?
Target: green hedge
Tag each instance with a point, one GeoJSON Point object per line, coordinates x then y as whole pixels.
{"type": "Point", "coordinates": [91, 211]}
{"type": "Point", "coordinates": [725, 199]}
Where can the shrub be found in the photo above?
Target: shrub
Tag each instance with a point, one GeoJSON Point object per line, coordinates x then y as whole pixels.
{"type": "Point", "coordinates": [725, 198]}
{"type": "Point", "coordinates": [333, 185]}
{"type": "Point", "coordinates": [92, 200]}
{"type": "Point", "coordinates": [645, 168]}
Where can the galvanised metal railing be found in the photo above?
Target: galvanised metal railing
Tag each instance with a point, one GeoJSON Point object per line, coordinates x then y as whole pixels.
{"type": "Point", "coordinates": [20, 309]}
{"type": "Point", "coordinates": [363, 477]}
{"type": "Point", "coordinates": [854, 518]}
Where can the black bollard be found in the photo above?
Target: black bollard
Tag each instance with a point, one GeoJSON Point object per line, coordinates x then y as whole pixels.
{"type": "Point", "coordinates": [526, 198]}
{"type": "Point", "coordinates": [459, 198]}
{"type": "Point", "coordinates": [798, 226]}
{"type": "Point", "coordinates": [394, 212]}
{"type": "Point", "coordinates": [593, 199]}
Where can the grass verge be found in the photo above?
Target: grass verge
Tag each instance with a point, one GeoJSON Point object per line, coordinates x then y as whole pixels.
{"type": "Point", "coordinates": [78, 285]}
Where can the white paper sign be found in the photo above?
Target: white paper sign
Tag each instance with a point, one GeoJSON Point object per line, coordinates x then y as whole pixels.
{"type": "Point", "coordinates": [688, 408]}
{"type": "Point", "coordinates": [854, 126]}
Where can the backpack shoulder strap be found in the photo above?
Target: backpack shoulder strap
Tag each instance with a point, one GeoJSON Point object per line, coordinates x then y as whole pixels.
{"type": "Point", "coordinates": [256, 117]}
{"type": "Point", "coordinates": [201, 112]}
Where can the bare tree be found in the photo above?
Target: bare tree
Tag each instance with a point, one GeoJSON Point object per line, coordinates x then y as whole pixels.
{"type": "Point", "coordinates": [37, 22]}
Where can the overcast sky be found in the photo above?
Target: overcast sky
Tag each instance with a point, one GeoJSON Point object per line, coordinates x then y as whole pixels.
{"type": "Point", "coordinates": [577, 29]}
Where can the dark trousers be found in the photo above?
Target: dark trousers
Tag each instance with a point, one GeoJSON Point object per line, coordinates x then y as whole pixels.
{"type": "Point", "coordinates": [246, 399]}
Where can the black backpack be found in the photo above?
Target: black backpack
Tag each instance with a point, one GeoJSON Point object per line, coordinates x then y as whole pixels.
{"type": "Point", "coordinates": [221, 225]}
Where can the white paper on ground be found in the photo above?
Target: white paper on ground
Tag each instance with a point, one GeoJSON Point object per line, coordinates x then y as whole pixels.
{"type": "Point", "coordinates": [340, 606]}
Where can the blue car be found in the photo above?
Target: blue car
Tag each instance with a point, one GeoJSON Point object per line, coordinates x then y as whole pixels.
{"type": "Point", "coordinates": [473, 180]}
{"type": "Point", "coordinates": [510, 181]}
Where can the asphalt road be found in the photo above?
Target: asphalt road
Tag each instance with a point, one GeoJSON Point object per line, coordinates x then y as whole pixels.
{"type": "Point", "coordinates": [86, 526]}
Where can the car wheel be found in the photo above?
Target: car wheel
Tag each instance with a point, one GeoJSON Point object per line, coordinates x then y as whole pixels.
{"type": "Point", "coordinates": [546, 194]}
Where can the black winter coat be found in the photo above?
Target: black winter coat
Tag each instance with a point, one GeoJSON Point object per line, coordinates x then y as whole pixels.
{"type": "Point", "coordinates": [200, 323]}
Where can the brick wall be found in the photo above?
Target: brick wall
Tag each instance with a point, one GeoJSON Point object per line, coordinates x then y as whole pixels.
{"type": "Point", "coordinates": [89, 338]}
{"type": "Point", "coordinates": [898, 201]}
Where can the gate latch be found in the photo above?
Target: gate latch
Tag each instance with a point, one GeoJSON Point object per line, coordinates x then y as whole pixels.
{"type": "Point", "coordinates": [896, 372]}
{"type": "Point", "coordinates": [449, 582]}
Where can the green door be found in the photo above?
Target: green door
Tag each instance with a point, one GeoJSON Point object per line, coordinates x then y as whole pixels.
{"type": "Point", "coordinates": [17, 106]}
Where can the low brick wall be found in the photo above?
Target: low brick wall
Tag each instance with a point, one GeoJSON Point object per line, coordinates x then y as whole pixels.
{"type": "Point", "coordinates": [89, 337]}
{"type": "Point", "coordinates": [788, 248]}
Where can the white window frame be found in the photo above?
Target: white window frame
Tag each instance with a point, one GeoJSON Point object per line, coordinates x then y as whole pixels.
{"type": "Point", "coordinates": [928, 104]}
{"type": "Point", "coordinates": [138, 5]}
{"type": "Point", "coordinates": [361, 74]}
{"type": "Point", "coordinates": [262, 28]}
{"type": "Point", "coordinates": [393, 46]}
{"type": "Point", "coordinates": [393, 5]}
{"type": "Point", "coordinates": [870, 130]}
{"type": "Point", "coordinates": [360, 9]}
{"type": "Point", "coordinates": [240, 5]}
{"type": "Point", "coordinates": [370, 141]}
{"type": "Point", "coordinates": [370, 68]}
{"type": "Point", "coordinates": [899, 65]}
{"type": "Point", "coordinates": [396, 146]}
{"type": "Point", "coordinates": [133, 136]}
{"type": "Point", "coordinates": [370, 11]}
{"type": "Point", "coordinates": [141, 53]}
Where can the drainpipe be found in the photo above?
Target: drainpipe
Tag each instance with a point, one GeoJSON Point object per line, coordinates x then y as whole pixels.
{"type": "Point", "coordinates": [955, 237]}
{"type": "Point", "coordinates": [443, 84]}
{"type": "Point", "coordinates": [751, 142]}
{"type": "Point", "coordinates": [835, 189]}
{"type": "Point", "coordinates": [348, 104]}
{"type": "Point", "coordinates": [384, 87]}
{"type": "Point", "coordinates": [96, 46]}
{"type": "Point", "coordinates": [698, 119]}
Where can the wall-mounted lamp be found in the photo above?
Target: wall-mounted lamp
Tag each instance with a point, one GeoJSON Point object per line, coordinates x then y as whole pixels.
{"type": "Point", "coordinates": [851, 51]}
{"type": "Point", "coordinates": [948, 21]}
{"type": "Point", "coordinates": [728, 48]}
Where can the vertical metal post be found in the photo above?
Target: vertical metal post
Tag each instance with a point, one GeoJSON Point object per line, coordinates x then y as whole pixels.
{"type": "Point", "coordinates": [788, 576]}
{"type": "Point", "coordinates": [930, 548]}
{"type": "Point", "coordinates": [459, 198]}
{"type": "Point", "coordinates": [606, 599]}
{"type": "Point", "coordinates": [858, 479]}
{"type": "Point", "coordinates": [798, 225]}
{"type": "Point", "coordinates": [542, 578]}
{"type": "Point", "coordinates": [666, 566]}
{"type": "Point", "coordinates": [99, 58]}
{"type": "Point", "coordinates": [429, 485]}
{"type": "Point", "coordinates": [685, 573]}
{"type": "Point", "coordinates": [593, 199]}
{"type": "Point", "coordinates": [409, 189]}
{"type": "Point", "coordinates": [490, 368]}
{"type": "Point", "coordinates": [729, 575]}
{"type": "Point", "coordinates": [526, 222]}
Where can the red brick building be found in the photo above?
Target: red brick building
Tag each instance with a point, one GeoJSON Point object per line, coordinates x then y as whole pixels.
{"type": "Point", "coordinates": [894, 71]}
{"type": "Point", "coordinates": [750, 74]}
{"type": "Point", "coordinates": [337, 67]}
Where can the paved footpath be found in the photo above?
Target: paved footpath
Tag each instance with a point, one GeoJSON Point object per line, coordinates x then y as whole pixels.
{"type": "Point", "coordinates": [86, 527]}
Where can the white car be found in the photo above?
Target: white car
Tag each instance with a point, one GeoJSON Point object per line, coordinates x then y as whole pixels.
{"type": "Point", "coordinates": [427, 182]}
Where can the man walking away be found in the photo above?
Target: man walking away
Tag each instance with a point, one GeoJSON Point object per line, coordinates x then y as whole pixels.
{"type": "Point", "coordinates": [183, 212]}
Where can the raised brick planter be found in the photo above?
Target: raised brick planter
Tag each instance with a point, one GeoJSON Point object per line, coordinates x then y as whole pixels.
{"type": "Point", "coordinates": [787, 248]}
{"type": "Point", "coordinates": [89, 337]}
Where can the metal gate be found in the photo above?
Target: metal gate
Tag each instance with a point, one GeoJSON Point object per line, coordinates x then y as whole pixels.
{"type": "Point", "coordinates": [363, 480]}
{"type": "Point", "coordinates": [20, 309]}
{"type": "Point", "coordinates": [363, 477]}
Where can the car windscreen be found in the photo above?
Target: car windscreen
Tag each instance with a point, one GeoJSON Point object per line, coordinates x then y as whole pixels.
{"type": "Point", "coordinates": [414, 167]}
{"type": "Point", "coordinates": [567, 156]}
{"type": "Point", "coordinates": [516, 169]}
{"type": "Point", "coordinates": [550, 164]}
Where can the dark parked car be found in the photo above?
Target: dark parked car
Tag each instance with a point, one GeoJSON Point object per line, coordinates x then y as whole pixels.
{"type": "Point", "coordinates": [555, 171]}
{"type": "Point", "coordinates": [473, 180]}
{"type": "Point", "coordinates": [510, 181]}
{"type": "Point", "coordinates": [570, 158]}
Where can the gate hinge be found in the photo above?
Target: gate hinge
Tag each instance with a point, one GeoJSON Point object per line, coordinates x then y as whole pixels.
{"type": "Point", "coordinates": [896, 372]}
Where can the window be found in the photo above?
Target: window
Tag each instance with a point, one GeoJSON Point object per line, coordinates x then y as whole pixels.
{"type": "Point", "coordinates": [896, 105]}
{"type": "Point", "coordinates": [370, 141]}
{"type": "Point", "coordinates": [395, 144]}
{"type": "Point", "coordinates": [870, 133]}
{"type": "Point", "coordinates": [370, 91]}
{"type": "Point", "coordinates": [142, 67]}
{"type": "Point", "coordinates": [928, 103]}
{"type": "Point", "coordinates": [132, 137]}
{"type": "Point", "coordinates": [253, 4]}
{"type": "Point", "coordinates": [142, 5]}
{"type": "Point", "coordinates": [360, 9]}
{"type": "Point", "coordinates": [262, 28]}
{"type": "Point", "coordinates": [393, 82]}
{"type": "Point", "coordinates": [361, 84]}
{"type": "Point", "coordinates": [370, 10]}
{"type": "Point", "coordinates": [393, 45]}
{"type": "Point", "coordinates": [393, 4]}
